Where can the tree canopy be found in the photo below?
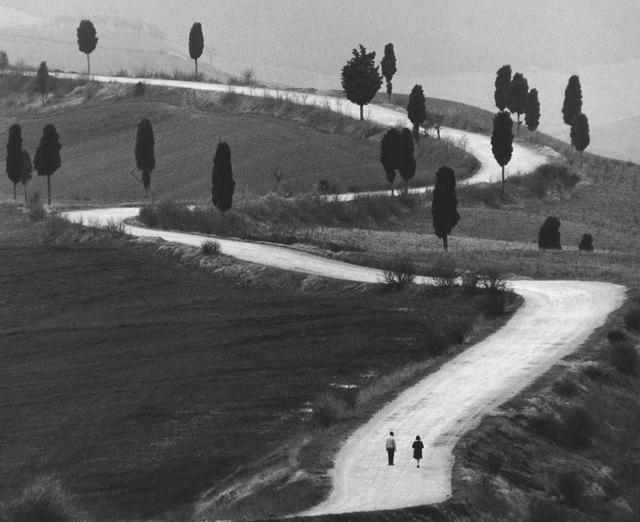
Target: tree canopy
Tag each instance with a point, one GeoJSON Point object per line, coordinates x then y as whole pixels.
{"type": "Point", "coordinates": [502, 140]}
{"type": "Point", "coordinates": [407, 166]}
{"type": "Point", "coordinates": [388, 66]}
{"type": "Point", "coordinates": [196, 43]}
{"type": "Point", "coordinates": [390, 147]}
{"type": "Point", "coordinates": [580, 133]}
{"type": "Point", "coordinates": [4, 60]}
{"type": "Point", "coordinates": [14, 156]}
{"type": "Point", "coordinates": [87, 39]}
{"type": "Point", "coordinates": [572, 105]}
{"type": "Point", "coordinates": [416, 109]}
{"type": "Point", "coordinates": [444, 205]}
{"type": "Point", "coordinates": [47, 158]}
{"type": "Point", "coordinates": [532, 110]}
{"type": "Point", "coordinates": [42, 80]}
{"type": "Point", "coordinates": [222, 183]}
{"type": "Point", "coordinates": [361, 79]}
{"type": "Point", "coordinates": [144, 152]}
{"type": "Point", "coordinates": [517, 95]}
{"type": "Point", "coordinates": [502, 84]}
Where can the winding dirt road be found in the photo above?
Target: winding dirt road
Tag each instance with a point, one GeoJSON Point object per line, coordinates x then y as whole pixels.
{"type": "Point", "coordinates": [556, 318]}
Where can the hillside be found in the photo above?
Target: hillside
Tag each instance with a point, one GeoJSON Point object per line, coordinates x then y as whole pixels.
{"type": "Point", "coordinates": [97, 127]}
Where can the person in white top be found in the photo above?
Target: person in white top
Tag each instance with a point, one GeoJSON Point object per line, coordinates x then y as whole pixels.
{"type": "Point", "coordinates": [391, 448]}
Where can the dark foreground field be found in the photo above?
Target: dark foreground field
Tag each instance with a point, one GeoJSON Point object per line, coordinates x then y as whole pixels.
{"type": "Point", "coordinates": [140, 382]}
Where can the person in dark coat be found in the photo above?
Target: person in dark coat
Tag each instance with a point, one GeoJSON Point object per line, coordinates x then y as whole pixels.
{"type": "Point", "coordinates": [417, 449]}
{"type": "Point", "coordinates": [391, 448]}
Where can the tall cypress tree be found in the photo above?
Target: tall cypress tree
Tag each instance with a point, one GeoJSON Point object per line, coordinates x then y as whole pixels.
{"type": "Point", "coordinates": [196, 43]}
{"type": "Point", "coordinates": [25, 173]}
{"type": "Point", "coordinates": [572, 105]}
{"type": "Point", "coordinates": [360, 78]}
{"type": "Point", "coordinates": [502, 140]}
{"type": "Point", "coordinates": [532, 110]}
{"type": "Point", "coordinates": [87, 40]}
{"type": "Point", "coordinates": [42, 80]}
{"type": "Point", "coordinates": [444, 205]}
{"type": "Point", "coordinates": [517, 96]}
{"type": "Point", "coordinates": [47, 158]}
{"type": "Point", "coordinates": [145, 153]}
{"type": "Point", "coordinates": [503, 82]}
{"type": "Point", "coordinates": [416, 109]}
{"type": "Point", "coordinates": [4, 60]}
{"type": "Point", "coordinates": [14, 155]}
{"type": "Point", "coordinates": [407, 166]}
{"type": "Point", "coordinates": [390, 154]}
{"type": "Point", "coordinates": [388, 66]}
{"type": "Point", "coordinates": [580, 133]}
{"type": "Point", "coordinates": [222, 184]}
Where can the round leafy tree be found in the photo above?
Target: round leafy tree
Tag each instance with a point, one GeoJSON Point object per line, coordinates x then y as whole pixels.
{"type": "Point", "coordinates": [549, 234]}
{"type": "Point", "coordinates": [196, 43]}
{"type": "Point", "coordinates": [580, 133]}
{"type": "Point", "coordinates": [407, 167]}
{"type": "Point", "coordinates": [444, 206]}
{"type": "Point", "coordinates": [145, 154]}
{"type": "Point", "coordinates": [222, 184]}
{"type": "Point", "coordinates": [360, 78]}
{"type": "Point", "coordinates": [47, 159]}
{"type": "Point", "coordinates": [14, 156]}
{"type": "Point", "coordinates": [388, 66]}
{"type": "Point", "coordinates": [502, 140]}
{"type": "Point", "coordinates": [532, 110]}
{"type": "Point", "coordinates": [416, 109]}
{"type": "Point", "coordinates": [572, 105]}
{"type": "Point", "coordinates": [503, 82]}
{"type": "Point", "coordinates": [87, 40]}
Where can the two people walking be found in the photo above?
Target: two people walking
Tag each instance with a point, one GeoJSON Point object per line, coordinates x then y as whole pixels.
{"type": "Point", "coordinates": [390, 446]}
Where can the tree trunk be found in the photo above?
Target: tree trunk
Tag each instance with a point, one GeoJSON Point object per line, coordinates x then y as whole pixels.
{"type": "Point", "coordinates": [49, 189]}
{"type": "Point", "coordinates": [518, 125]}
{"type": "Point", "coordinates": [580, 159]}
{"type": "Point", "coordinates": [445, 242]}
{"type": "Point", "coordinates": [406, 188]}
{"type": "Point", "coordinates": [14, 192]}
{"type": "Point", "coordinates": [502, 191]}
{"type": "Point", "coordinates": [88, 65]}
{"type": "Point", "coordinates": [438, 131]}
{"type": "Point", "coordinates": [361, 112]}
{"type": "Point", "coordinates": [196, 60]}
{"type": "Point", "coordinates": [392, 193]}
{"type": "Point", "coordinates": [26, 200]}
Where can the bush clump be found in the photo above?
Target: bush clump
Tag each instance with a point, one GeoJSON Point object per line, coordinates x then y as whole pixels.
{"type": "Point", "coordinates": [36, 208]}
{"type": "Point", "coordinates": [622, 353]}
{"type": "Point", "coordinates": [210, 248]}
{"type": "Point", "coordinates": [444, 272]}
{"type": "Point", "coordinates": [44, 500]}
{"type": "Point", "coordinates": [565, 387]}
{"type": "Point", "coordinates": [586, 243]}
{"type": "Point", "coordinates": [139, 89]}
{"type": "Point", "coordinates": [327, 410]}
{"type": "Point", "coordinates": [549, 234]}
{"type": "Point", "coordinates": [399, 275]}
{"type": "Point", "coordinates": [570, 486]}
{"type": "Point", "coordinates": [580, 426]}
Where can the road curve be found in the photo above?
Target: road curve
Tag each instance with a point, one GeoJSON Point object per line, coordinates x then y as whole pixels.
{"type": "Point", "coordinates": [556, 318]}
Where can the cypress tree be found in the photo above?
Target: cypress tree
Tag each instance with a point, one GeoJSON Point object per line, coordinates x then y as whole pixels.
{"type": "Point", "coordinates": [407, 166]}
{"type": "Point", "coordinates": [502, 141]}
{"type": "Point", "coordinates": [502, 84]}
{"type": "Point", "coordinates": [14, 156]}
{"type": "Point", "coordinates": [222, 184]}
{"type": "Point", "coordinates": [25, 173]}
{"type": "Point", "coordinates": [532, 110]}
{"type": "Point", "coordinates": [360, 78]}
{"type": "Point", "coordinates": [416, 109]}
{"type": "Point", "coordinates": [42, 80]}
{"type": "Point", "coordinates": [4, 60]}
{"type": "Point", "coordinates": [444, 206]}
{"type": "Point", "coordinates": [145, 154]}
{"type": "Point", "coordinates": [196, 43]}
{"type": "Point", "coordinates": [390, 154]}
{"type": "Point", "coordinates": [580, 133]}
{"type": "Point", "coordinates": [388, 66]}
{"type": "Point", "coordinates": [572, 105]}
{"type": "Point", "coordinates": [47, 158]}
{"type": "Point", "coordinates": [87, 40]}
{"type": "Point", "coordinates": [517, 96]}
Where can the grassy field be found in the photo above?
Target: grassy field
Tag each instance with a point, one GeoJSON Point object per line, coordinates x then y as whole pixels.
{"type": "Point", "coordinates": [140, 380]}
{"type": "Point", "coordinates": [97, 127]}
